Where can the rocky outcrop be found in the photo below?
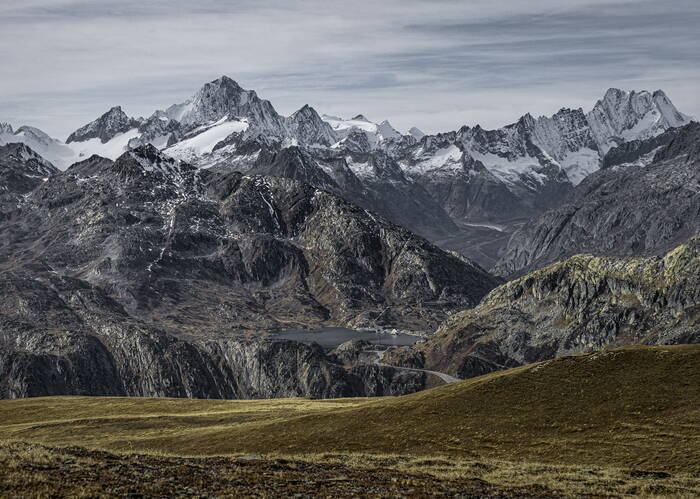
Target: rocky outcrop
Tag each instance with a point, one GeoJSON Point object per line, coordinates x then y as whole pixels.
{"type": "Point", "coordinates": [63, 336]}
{"type": "Point", "coordinates": [631, 211]}
{"type": "Point", "coordinates": [583, 304]}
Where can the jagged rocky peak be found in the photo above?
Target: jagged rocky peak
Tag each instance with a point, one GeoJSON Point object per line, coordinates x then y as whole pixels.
{"type": "Point", "coordinates": [566, 137]}
{"type": "Point", "coordinates": [23, 153]}
{"type": "Point", "coordinates": [222, 98]}
{"type": "Point", "coordinates": [306, 112]}
{"type": "Point", "coordinates": [622, 116]}
{"type": "Point", "coordinates": [360, 117]}
{"type": "Point", "coordinates": [385, 131]}
{"type": "Point", "coordinates": [5, 128]}
{"type": "Point", "coordinates": [307, 127]}
{"type": "Point", "coordinates": [21, 171]}
{"type": "Point", "coordinates": [106, 127]}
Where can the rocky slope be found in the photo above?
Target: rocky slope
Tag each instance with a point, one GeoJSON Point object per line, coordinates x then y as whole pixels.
{"type": "Point", "coordinates": [583, 304]}
{"type": "Point", "coordinates": [21, 171]}
{"type": "Point", "coordinates": [64, 336]}
{"type": "Point", "coordinates": [629, 210]}
{"type": "Point", "coordinates": [146, 276]}
{"type": "Point", "coordinates": [52, 150]}
{"type": "Point", "coordinates": [229, 252]}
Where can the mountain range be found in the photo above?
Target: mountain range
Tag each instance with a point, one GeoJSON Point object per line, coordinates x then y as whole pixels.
{"type": "Point", "coordinates": [466, 190]}
{"type": "Point", "coordinates": [161, 256]}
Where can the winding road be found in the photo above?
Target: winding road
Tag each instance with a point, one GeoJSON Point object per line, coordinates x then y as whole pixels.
{"type": "Point", "coordinates": [445, 377]}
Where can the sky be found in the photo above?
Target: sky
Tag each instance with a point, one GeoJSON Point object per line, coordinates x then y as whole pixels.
{"type": "Point", "coordinates": [436, 64]}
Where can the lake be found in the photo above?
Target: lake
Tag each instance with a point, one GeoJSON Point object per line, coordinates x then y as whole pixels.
{"type": "Point", "coordinates": [331, 337]}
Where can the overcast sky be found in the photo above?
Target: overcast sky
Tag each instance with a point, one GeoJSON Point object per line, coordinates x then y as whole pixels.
{"type": "Point", "coordinates": [433, 64]}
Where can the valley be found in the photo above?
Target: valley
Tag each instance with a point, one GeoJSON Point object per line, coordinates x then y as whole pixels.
{"type": "Point", "coordinates": [349, 249]}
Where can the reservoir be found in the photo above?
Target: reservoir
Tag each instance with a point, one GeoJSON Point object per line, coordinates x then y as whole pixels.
{"type": "Point", "coordinates": [331, 337]}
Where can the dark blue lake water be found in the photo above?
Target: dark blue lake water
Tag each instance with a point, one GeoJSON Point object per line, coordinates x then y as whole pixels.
{"type": "Point", "coordinates": [331, 337]}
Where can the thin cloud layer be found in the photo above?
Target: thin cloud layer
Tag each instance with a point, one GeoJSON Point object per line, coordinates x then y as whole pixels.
{"type": "Point", "coordinates": [435, 65]}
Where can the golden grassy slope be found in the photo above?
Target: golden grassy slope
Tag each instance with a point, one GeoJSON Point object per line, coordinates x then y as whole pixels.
{"type": "Point", "coordinates": [630, 408]}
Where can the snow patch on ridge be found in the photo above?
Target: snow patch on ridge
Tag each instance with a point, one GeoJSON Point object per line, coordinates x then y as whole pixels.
{"type": "Point", "coordinates": [579, 164]}
{"type": "Point", "coordinates": [510, 171]}
{"type": "Point", "coordinates": [204, 142]}
{"type": "Point", "coordinates": [111, 149]}
{"type": "Point", "coordinates": [449, 157]}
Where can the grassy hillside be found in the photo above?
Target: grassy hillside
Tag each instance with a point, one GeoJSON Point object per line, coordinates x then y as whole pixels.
{"type": "Point", "coordinates": [632, 408]}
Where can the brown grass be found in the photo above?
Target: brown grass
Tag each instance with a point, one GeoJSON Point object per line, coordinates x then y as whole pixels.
{"type": "Point", "coordinates": [628, 409]}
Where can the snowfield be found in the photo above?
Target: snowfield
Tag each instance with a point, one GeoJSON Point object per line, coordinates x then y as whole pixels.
{"type": "Point", "coordinates": [111, 149]}
{"type": "Point", "coordinates": [203, 143]}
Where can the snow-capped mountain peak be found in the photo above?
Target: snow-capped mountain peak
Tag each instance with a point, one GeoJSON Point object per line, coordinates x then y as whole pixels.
{"type": "Point", "coordinates": [622, 116]}
{"type": "Point", "coordinates": [105, 128]}
{"type": "Point", "coordinates": [34, 163]}
{"type": "Point", "coordinates": [225, 97]}
{"type": "Point", "coordinates": [416, 133]}
{"type": "Point", "coordinates": [375, 133]}
{"type": "Point", "coordinates": [51, 149]}
{"type": "Point", "coordinates": [307, 127]}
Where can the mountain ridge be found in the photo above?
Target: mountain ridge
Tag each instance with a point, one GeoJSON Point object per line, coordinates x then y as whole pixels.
{"type": "Point", "coordinates": [449, 187]}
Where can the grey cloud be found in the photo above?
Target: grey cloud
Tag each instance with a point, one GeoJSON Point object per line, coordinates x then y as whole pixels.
{"type": "Point", "coordinates": [436, 65]}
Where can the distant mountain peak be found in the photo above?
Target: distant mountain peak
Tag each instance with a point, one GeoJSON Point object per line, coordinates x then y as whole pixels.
{"type": "Point", "coordinates": [360, 117]}
{"type": "Point", "coordinates": [24, 160]}
{"type": "Point", "coordinates": [306, 110]}
{"type": "Point", "coordinates": [630, 115]}
{"type": "Point", "coordinates": [307, 127]}
{"type": "Point", "coordinates": [106, 127]}
{"type": "Point", "coordinates": [417, 133]}
{"type": "Point", "coordinates": [5, 127]}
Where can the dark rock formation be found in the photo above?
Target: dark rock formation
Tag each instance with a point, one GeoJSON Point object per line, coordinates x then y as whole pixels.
{"type": "Point", "coordinates": [21, 171]}
{"type": "Point", "coordinates": [580, 305]}
{"type": "Point", "coordinates": [63, 336]}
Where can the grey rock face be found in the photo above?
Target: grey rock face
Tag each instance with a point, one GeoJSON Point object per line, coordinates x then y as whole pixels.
{"type": "Point", "coordinates": [86, 344]}
{"type": "Point", "coordinates": [638, 152]}
{"type": "Point", "coordinates": [308, 128]}
{"type": "Point", "coordinates": [632, 211]}
{"type": "Point", "coordinates": [111, 123]}
{"type": "Point", "coordinates": [621, 116]}
{"type": "Point", "coordinates": [583, 304]}
{"type": "Point", "coordinates": [21, 171]}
